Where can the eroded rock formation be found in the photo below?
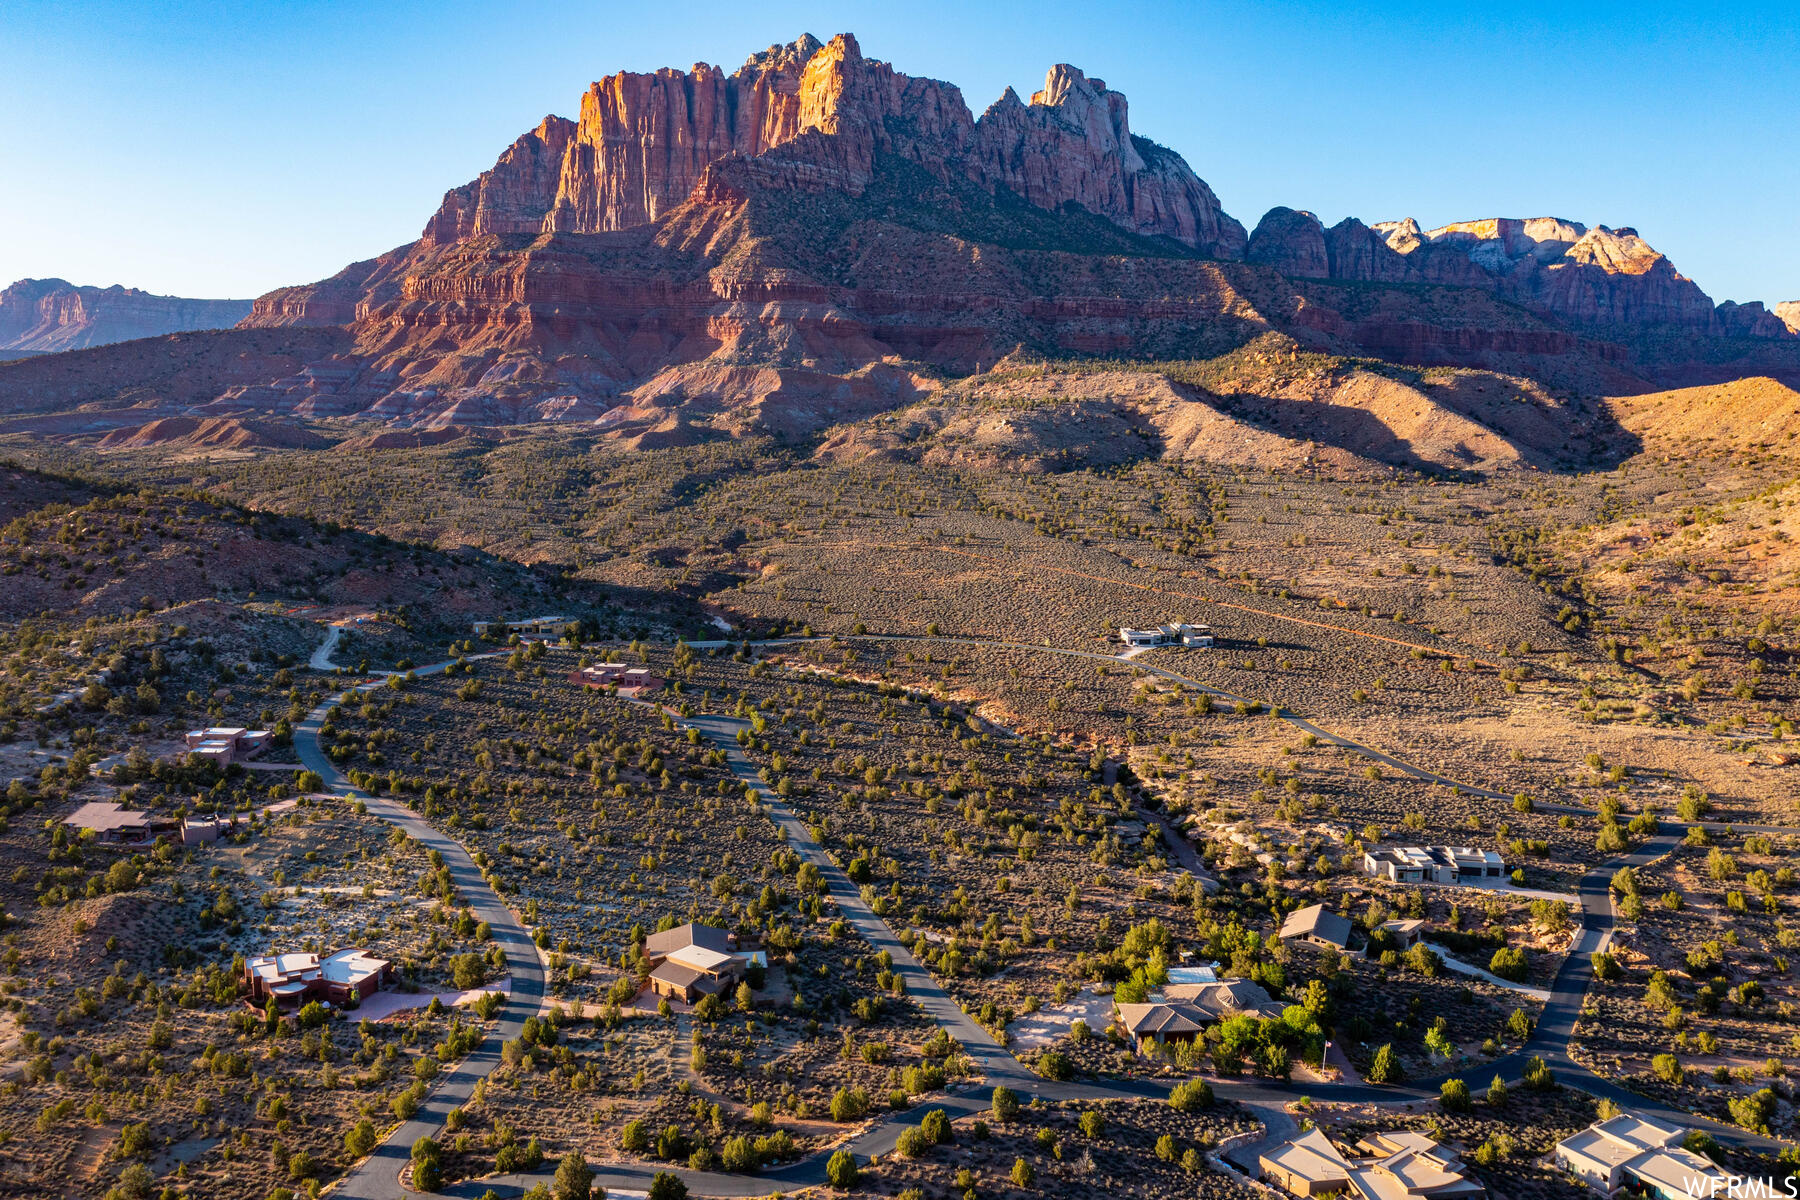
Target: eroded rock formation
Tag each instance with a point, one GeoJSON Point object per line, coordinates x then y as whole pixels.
{"type": "Point", "coordinates": [41, 316]}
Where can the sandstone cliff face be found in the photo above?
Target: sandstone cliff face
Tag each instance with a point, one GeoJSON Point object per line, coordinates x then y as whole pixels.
{"type": "Point", "coordinates": [819, 115]}
{"type": "Point", "coordinates": [40, 316]}
{"type": "Point", "coordinates": [1789, 312]}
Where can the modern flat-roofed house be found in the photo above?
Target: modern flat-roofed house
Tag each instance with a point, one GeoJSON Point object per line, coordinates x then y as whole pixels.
{"type": "Point", "coordinates": [1638, 1154]}
{"type": "Point", "coordinates": [1433, 864]}
{"type": "Point", "coordinates": [630, 681]}
{"type": "Point", "coordinates": [112, 824]}
{"type": "Point", "coordinates": [341, 978]}
{"type": "Point", "coordinates": [1392, 1166]}
{"type": "Point", "coordinates": [692, 960]}
{"type": "Point", "coordinates": [1197, 637]}
{"type": "Point", "coordinates": [1317, 925]}
{"type": "Point", "coordinates": [226, 744]}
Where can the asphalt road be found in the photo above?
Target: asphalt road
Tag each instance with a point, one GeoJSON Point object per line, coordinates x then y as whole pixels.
{"type": "Point", "coordinates": [377, 1176]}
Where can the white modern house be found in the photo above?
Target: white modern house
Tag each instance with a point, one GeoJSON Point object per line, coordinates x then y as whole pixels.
{"type": "Point", "coordinates": [1433, 864]}
{"type": "Point", "coordinates": [1195, 637]}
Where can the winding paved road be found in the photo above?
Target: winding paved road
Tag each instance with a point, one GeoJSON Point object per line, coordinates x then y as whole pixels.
{"type": "Point", "coordinates": [376, 1178]}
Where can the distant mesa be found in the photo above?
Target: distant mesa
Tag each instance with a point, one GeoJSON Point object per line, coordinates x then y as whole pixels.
{"type": "Point", "coordinates": [43, 316]}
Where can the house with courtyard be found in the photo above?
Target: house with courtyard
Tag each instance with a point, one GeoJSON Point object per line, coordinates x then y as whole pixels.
{"type": "Point", "coordinates": [1319, 926]}
{"type": "Point", "coordinates": [629, 681]}
{"type": "Point", "coordinates": [693, 960]}
{"type": "Point", "coordinates": [1403, 1165]}
{"type": "Point", "coordinates": [1639, 1155]}
{"type": "Point", "coordinates": [1433, 864]}
{"type": "Point", "coordinates": [344, 978]}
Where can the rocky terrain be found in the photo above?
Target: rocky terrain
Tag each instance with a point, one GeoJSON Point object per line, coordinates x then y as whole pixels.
{"type": "Point", "coordinates": [43, 316]}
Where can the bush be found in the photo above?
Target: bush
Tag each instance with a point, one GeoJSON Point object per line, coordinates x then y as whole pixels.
{"type": "Point", "coordinates": [738, 1154]}
{"type": "Point", "coordinates": [1092, 1124]}
{"type": "Point", "coordinates": [574, 1181]}
{"type": "Point", "coordinates": [1753, 1112]}
{"type": "Point", "coordinates": [1006, 1104]}
{"type": "Point", "coordinates": [1606, 967]}
{"type": "Point", "coordinates": [849, 1105]}
{"type": "Point", "coordinates": [1509, 963]}
{"type": "Point", "coordinates": [1667, 1068]}
{"type": "Point", "coordinates": [841, 1170]}
{"type": "Point", "coordinates": [1022, 1174]}
{"type": "Point", "coordinates": [936, 1126]}
{"type": "Point", "coordinates": [1537, 1075]}
{"type": "Point", "coordinates": [427, 1165]}
{"type": "Point", "coordinates": [361, 1139]}
{"type": "Point", "coordinates": [1386, 1067]}
{"type": "Point", "coordinates": [667, 1187]}
{"type": "Point", "coordinates": [1056, 1066]}
{"type": "Point", "coordinates": [1191, 1096]}
{"type": "Point", "coordinates": [913, 1143]}
{"type": "Point", "coordinates": [1454, 1096]}
{"type": "Point", "coordinates": [634, 1138]}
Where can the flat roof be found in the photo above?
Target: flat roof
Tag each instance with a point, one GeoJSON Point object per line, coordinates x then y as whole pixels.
{"type": "Point", "coordinates": [700, 958]}
{"type": "Point", "coordinates": [352, 966]}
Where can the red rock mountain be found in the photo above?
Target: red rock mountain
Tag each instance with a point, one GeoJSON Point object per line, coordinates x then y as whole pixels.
{"type": "Point", "coordinates": [41, 316]}
{"type": "Point", "coordinates": [816, 237]}
{"type": "Point", "coordinates": [816, 117]}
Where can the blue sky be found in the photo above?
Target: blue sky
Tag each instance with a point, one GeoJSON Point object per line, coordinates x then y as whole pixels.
{"type": "Point", "coordinates": [223, 149]}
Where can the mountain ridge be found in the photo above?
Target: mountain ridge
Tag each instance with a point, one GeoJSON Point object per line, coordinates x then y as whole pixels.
{"type": "Point", "coordinates": [44, 316]}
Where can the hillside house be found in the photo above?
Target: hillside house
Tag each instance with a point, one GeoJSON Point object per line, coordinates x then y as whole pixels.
{"type": "Point", "coordinates": [548, 626]}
